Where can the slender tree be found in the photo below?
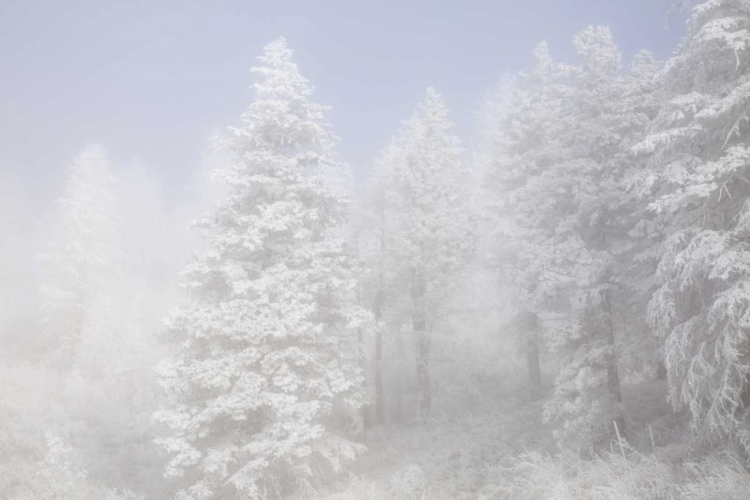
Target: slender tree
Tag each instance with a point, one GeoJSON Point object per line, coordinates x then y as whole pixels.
{"type": "Point", "coordinates": [378, 284]}
{"type": "Point", "coordinates": [561, 157]}
{"type": "Point", "coordinates": [433, 230]}
{"type": "Point", "coordinates": [81, 265]}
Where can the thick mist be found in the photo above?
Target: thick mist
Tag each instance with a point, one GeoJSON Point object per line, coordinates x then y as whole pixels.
{"type": "Point", "coordinates": [460, 251]}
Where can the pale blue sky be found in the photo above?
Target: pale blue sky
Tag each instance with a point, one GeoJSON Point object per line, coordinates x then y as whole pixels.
{"type": "Point", "coordinates": [153, 79]}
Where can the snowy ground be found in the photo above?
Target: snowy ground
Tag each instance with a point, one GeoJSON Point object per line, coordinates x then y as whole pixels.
{"type": "Point", "coordinates": [505, 452]}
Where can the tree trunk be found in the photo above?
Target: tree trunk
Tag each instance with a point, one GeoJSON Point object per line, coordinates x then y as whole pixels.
{"type": "Point", "coordinates": [532, 361]}
{"type": "Point", "coordinates": [528, 324]}
{"type": "Point", "coordinates": [613, 375]}
{"type": "Point", "coordinates": [423, 342]}
{"type": "Point", "coordinates": [378, 314]}
{"type": "Point", "coordinates": [379, 398]}
{"type": "Point", "coordinates": [72, 343]}
{"type": "Point", "coordinates": [661, 371]}
{"type": "Point", "coordinates": [367, 420]}
{"type": "Point", "coordinates": [399, 388]}
{"type": "Point", "coordinates": [367, 407]}
{"type": "Point", "coordinates": [745, 393]}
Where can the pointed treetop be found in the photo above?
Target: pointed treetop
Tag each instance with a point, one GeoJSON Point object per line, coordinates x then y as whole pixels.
{"type": "Point", "coordinates": [428, 125]}
{"type": "Point", "coordinates": [433, 95]}
{"type": "Point", "coordinates": [91, 158]}
{"type": "Point", "coordinates": [544, 66]}
{"type": "Point", "coordinates": [276, 51]}
{"type": "Point", "coordinates": [432, 106]}
{"type": "Point", "coordinates": [90, 168]}
{"type": "Point", "coordinates": [93, 151]}
{"type": "Point", "coordinates": [279, 75]}
{"type": "Point", "coordinates": [643, 64]}
{"type": "Point", "coordinates": [541, 54]}
{"type": "Point", "coordinates": [597, 47]}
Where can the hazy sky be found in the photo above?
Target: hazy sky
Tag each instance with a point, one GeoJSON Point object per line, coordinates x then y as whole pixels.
{"type": "Point", "coordinates": [153, 79]}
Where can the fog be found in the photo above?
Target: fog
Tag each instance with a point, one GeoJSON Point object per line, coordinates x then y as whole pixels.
{"type": "Point", "coordinates": [374, 250]}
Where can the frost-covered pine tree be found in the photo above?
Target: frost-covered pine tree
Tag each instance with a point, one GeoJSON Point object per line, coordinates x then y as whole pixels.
{"type": "Point", "coordinates": [531, 198]}
{"type": "Point", "coordinates": [265, 374]}
{"type": "Point", "coordinates": [92, 327]}
{"type": "Point", "coordinates": [81, 265]}
{"type": "Point", "coordinates": [698, 154]}
{"type": "Point", "coordinates": [557, 172]}
{"type": "Point", "coordinates": [520, 133]}
{"type": "Point", "coordinates": [637, 253]}
{"type": "Point", "coordinates": [601, 125]}
{"type": "Point", "coordinates": [376, 281]}
{"type": "Point", "coordinates": [433, 231]}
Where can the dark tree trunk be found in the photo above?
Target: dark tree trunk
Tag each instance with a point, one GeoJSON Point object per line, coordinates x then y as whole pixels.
{"type": "Point", "coordinates": [367, 420]}
{"type": "Point", "coordinates": [745, 394]}
{"type": "Point", "coordinates": [661, 371]}
{"type": "Point", "coordinates": [379, 397]}
{"type": "Point", "coordinates": [613, 374]}
{"type": "Point", "coordinates": [423, 341]}
{"type": "Point", "coordinates": [399, 387]}
{"type": "Point", "coordinates": [532, 361]}
{"type": "Point", "coordinates": [71, 344]}
{"type": "Point", "coordinates": [366, 410]}
{"type": "Point", "coordinates": [378, 315]}
{"type": "Point", "coordinates": [528, 324]}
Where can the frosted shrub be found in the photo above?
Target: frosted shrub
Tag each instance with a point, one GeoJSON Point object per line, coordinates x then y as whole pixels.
{"type": "Point", "coordinates": [410, 483]}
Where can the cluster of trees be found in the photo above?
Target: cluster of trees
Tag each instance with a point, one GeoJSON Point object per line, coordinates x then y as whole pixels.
{"type": "Point", "coordinates": [621, 199]}
{"type": "Point", "coordinates": [604, 218]}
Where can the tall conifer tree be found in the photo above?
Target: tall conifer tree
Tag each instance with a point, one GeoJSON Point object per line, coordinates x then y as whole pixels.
{"type": "Point", "coordinates": [266, 359]}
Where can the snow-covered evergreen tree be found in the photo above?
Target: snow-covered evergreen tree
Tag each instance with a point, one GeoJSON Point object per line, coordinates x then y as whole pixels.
{"type": "Point", "coordinates": [528, 196]}
{"type": "Point", "coordinates": [95, 330]}
{"type": "Point", "coordinates": [638, 348]}
{"type": "Point", "coordinates": [518, 127]}
{"type": "Point", "coordinates": [556, 172]}
{"type": "Point", "coordinates": [374, 233]}
{"type": "Point", "coordinates": [698, 156]}
{"type": "Point", "coordinates": [433, 230]}
{"type": "Point", "coordinates": [601, 122]}
{"type": "Point", "coordinates": [81, 266]}
{"type": "Point", "coordinates": [265, 374]}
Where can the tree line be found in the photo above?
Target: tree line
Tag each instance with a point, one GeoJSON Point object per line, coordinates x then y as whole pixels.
{"type": "Point", "coordinates": [603, 218]}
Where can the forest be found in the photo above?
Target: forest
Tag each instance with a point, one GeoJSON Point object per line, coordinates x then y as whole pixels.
{"type": "Point", "coordinates": [559, 311]}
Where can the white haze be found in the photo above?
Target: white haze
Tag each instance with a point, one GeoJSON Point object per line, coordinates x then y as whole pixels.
{"type": "Point", "coordinates": [530, 284]}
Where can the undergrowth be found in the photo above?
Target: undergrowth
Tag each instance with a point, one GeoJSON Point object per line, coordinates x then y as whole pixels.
{"type": "Point", "coordinates": [506, 452]}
